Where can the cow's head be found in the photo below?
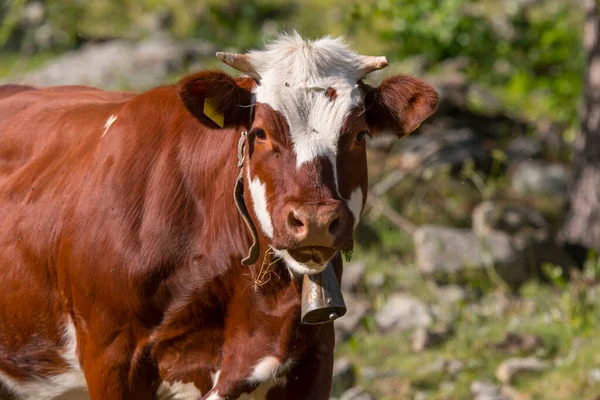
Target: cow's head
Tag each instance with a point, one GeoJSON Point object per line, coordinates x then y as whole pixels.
{"type": "Point", "coordinates": [305, 167]}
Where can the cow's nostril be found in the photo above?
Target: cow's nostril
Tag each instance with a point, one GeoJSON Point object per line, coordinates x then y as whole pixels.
{"type": "Point", "coordinates": [333, 226]}
{"type": "Point", "coordinates": [293, 221]}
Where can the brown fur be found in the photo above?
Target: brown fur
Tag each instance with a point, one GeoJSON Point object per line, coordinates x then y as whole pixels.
{"type": "Point", "coordinates": [134, 235]}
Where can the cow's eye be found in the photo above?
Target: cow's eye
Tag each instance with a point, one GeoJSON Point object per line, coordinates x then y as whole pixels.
{"type": "Point", "coordinates": [360, 137]}
{"type": "Point", "coordinates": [260, 134]}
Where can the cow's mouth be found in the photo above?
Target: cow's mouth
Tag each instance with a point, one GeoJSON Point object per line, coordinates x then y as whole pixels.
{"type": "Point", "coordinates": [312, 255]}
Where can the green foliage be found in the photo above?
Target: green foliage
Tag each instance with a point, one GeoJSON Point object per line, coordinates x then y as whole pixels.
{"type": "Point", "coordinates": [525, 52]}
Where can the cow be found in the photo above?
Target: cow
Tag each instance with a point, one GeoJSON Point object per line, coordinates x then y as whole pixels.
{"type": "Point", "coordinates": [129, 269]}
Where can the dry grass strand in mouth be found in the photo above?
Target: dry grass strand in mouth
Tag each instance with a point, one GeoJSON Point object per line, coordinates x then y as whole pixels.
{"type": "Point", "coordinates": [266, 270]}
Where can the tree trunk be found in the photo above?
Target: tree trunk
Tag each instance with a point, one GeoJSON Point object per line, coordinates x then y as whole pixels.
{"type": "Point", "coordinates": [582, 222]}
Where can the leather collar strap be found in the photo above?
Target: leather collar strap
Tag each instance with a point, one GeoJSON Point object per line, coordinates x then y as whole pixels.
{"type": "Point", "coordinates": [238, 196]}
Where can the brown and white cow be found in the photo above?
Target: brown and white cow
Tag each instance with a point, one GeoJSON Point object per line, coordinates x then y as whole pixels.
{"type": "Point", "coordinates": [120, 246]}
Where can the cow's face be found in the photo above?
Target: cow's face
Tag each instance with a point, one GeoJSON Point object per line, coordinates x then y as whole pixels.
{"type": "Point", "coordinates": [306, 169]}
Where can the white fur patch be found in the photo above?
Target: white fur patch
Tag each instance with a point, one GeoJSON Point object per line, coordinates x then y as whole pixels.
{"type": "Point", "coordinates": [215, 396]}
{"type": "Point", "coordinates": [215, 377]}
{"type": "Point", "coordinates": [355, 204]}
{"type": "Point", "coordinates": [295, 75]}
{"type": "Point", "coordinates": [265, 370]}
{"type": "Point", "coordinates": [177, 391]}
{"type": "Point", "coordinates": [109, 123]}
{"type": "Point", "coordinates": [43, 388]}
{"type": "Point", "coordinates": [296, 267]}
{"type": "Point", "coordinates": [258, 190]}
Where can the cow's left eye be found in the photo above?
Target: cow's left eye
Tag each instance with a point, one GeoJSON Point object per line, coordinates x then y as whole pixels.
{"type": "Point", "coordinates": [360, 137]}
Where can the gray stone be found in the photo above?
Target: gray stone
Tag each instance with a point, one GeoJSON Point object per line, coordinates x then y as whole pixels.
{"type": "Point", "coordinates": [537, 177]}
{"type": "Point", "coordinates": [401, 312]}
{"type": "Point", "coordinates": [444, 252]}
{"type": "Point", "coordinates": [357, 393]}
{"type": "Point", "coordinates": [119, 64]}
{"type": "Point", "coordinates": [524, 148]}
{"type": "Point", "coordinates": [376, 281]}
{"type": "Point", "coordinates": [354, 276]}
{"type": "Point", "coordinates": [450, 294]}
{"type": "Point", "coordinates": [487, 391]}
{"type": "Point", "coordinates": [508, 369]}
{"type": "Point", "coordinates": [511, 218]}
{"type": "Point", "coordinates": [450, 148]}
{"type": "Point", "coordinates": [423, 338]}
{"type": "Point", "coordinates": [344, 376]}
{"type": "Point", "coordinates": [349, 323]}
{"type": "Point", "coordinates": [531, 234]}
{"type": "Point", "coordinates": [593, 376]}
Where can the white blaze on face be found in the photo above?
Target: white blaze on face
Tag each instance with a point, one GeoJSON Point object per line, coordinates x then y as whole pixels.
{"type": "Point", "coordinates": [355, 204]}
{"type": "Point", "coordinates": [295, 74]}
{"type": "Point", "coordinates": [258, 191]}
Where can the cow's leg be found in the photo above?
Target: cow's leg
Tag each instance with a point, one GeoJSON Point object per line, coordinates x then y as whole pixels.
{"type": "Point", "coordinates": [310, 377]}
{"type": "Point", "coordinates": [110, 371]}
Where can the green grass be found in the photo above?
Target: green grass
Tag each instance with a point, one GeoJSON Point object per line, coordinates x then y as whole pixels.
{"type": "Point", "coordinates": [389, 368]}
{"type": "Point", "coordinates": [14, 63]}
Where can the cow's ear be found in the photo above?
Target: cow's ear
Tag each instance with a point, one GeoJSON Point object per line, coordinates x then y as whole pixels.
{"type": "Point", "coordinates": [399, 105]}
{"type": "Point", "coordinates": [217, 98]}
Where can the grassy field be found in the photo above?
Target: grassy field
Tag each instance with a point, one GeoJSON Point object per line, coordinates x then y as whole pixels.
{"type": "Point", "coordinates": [564, 322]}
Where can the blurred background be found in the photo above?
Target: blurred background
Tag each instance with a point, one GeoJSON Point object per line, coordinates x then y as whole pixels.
{"type": "Point", "coordinates": [476, 270]}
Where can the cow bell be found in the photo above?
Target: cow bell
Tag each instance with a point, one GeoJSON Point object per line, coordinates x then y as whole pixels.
{"type": "Point", "coordinates": [322, 299]}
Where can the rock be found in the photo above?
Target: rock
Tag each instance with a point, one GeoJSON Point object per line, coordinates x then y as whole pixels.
{"type": "Point", "coordinates": [448, 148]}
{"type": "Point", "coordinates": [444, 252]}
{"type": "Point", "coordinates": [510, 218]}
{"type": "Point", "coordinates": [442, 366]}
{"type": "Point", "coordinates": [487, 391]}
{"type": "Point", "coordinates": [450, 294]}
{"type": "Point", "coordinates": [531, 234]}
{"type": "Point", "coordinates": [593, 376]}
{"type": "Point", "coordinates": [454, 367]}
{"type": "Point", "coordinates": [423, 338]}
{"type": "Point", "coordinates": [376, 281]}
{"type": "Point", "coordinates": [344, 376]}
{"type": "Point", "coordinates": [524, 148]}
{"type": "Point", "coordinates": [354, 276]}
{"type": "Point", "coordinates": [347, 325]}
{"type": "Point", "coordinates": [537, 177]}
{"type": "Point", "coordinates": [522, 344]}
{"type": "Point", "coordinates": [401, 312]}
{"type": "Point", "coordinates": [508, 369]}
{"type": "Point", "coordinates": [357, 393]}
{"type": "Point", "coordinates": [119, 63]}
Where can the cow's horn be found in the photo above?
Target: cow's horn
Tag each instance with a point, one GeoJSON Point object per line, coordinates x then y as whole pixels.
{"type": "Point", "coordinates": [240, 62]}
{"type": "Point", "coordinates": [369, 64]}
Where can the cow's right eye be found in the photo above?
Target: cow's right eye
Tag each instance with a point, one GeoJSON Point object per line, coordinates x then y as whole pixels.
{"type": "Point", "coordinates": [260, 134]}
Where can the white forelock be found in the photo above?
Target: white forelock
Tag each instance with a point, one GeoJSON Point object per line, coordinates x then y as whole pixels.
{"type": "Point", "coordinates": [295, 75]}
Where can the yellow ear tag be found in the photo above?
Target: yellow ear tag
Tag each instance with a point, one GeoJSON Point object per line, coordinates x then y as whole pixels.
{"type": "Point", "coordinates": [211, 113]}
{"type": "Point", "coordinates": [417, 127]}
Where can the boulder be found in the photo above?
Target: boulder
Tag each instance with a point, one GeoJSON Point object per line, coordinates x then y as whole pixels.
{"type": "Point", "coordinates": [508, 369]}
{"type": "Point", "coordinates": [445, 252]}
{"type": "Point", "coordinates": [530, 233]}
{"type": "Point", "coordinates": [487, 391]}
{"type": "Point", "coordinates": [354, 276]}
{"type": "Point", "coordinates": [524, 148]}
{"type": "Point", "coordinates": [451, 148]}
{"type": "Point", "coordinates": [119, 64]}
{"type": "Point", "coordinates": [356, 311]}
{"type": "Point", "coordinates": [402, 312]}
{"type": "Point", "coordinates": [539, 178]}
